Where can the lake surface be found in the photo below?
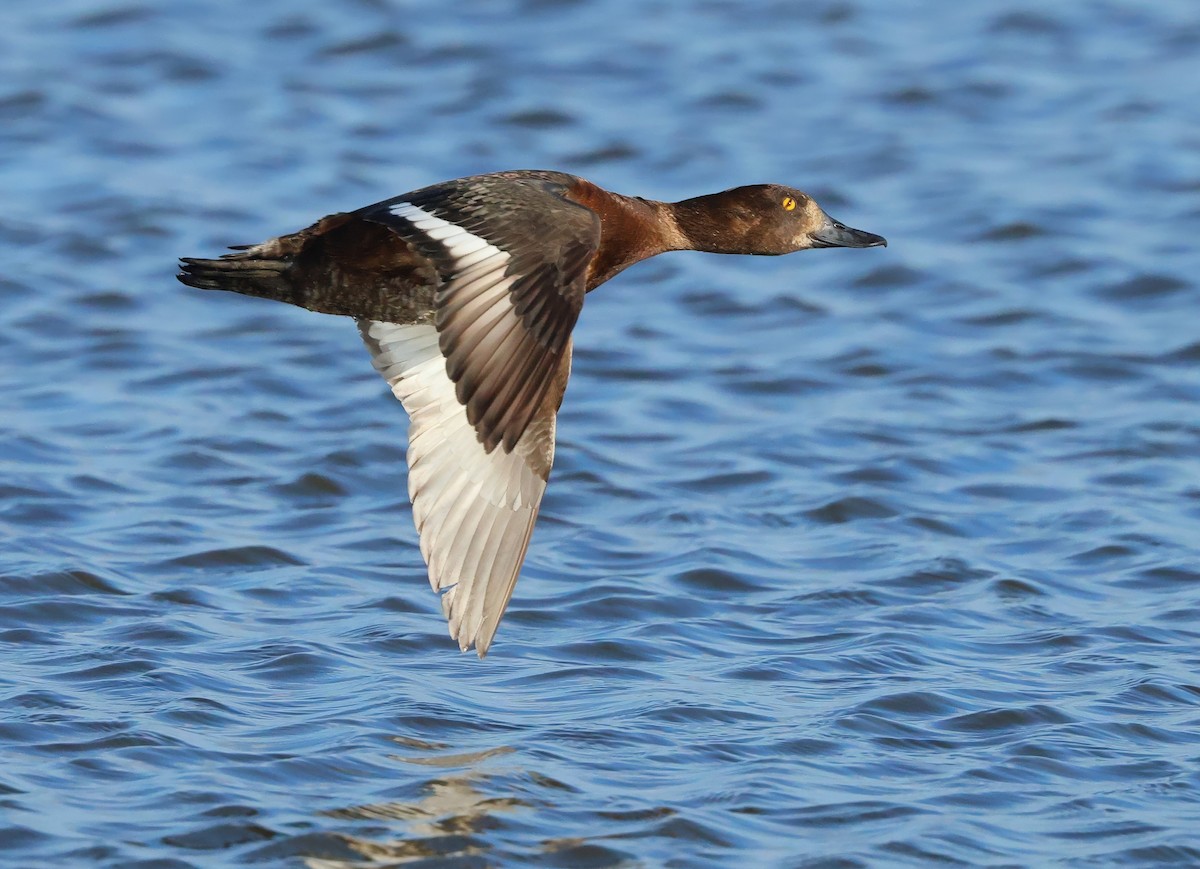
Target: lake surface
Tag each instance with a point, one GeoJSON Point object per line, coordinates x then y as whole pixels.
{"type": "Point", "coordinates": [850, 558]}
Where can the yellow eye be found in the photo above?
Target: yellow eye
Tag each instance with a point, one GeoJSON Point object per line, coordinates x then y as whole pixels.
{"type": "Point", "coordinates": [789, 204]}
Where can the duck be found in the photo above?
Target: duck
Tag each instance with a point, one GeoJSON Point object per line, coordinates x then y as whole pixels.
{"type": "Point", "coordinates": [466, 294]}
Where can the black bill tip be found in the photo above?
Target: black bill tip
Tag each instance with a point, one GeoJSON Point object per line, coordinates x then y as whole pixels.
{"type": "Point", "coordinates": [834, 234]}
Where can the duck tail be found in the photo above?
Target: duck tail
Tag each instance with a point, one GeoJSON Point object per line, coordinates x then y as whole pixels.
{"type": "Point", "coordinates": [247, 272]}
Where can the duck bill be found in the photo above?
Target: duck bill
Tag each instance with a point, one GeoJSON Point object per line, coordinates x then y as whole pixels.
{"type": "Point", "coordinates": [834, 234]}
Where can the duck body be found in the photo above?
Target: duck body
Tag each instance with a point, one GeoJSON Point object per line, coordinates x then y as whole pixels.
{"type": "Point", "coordinates": [466, 294]}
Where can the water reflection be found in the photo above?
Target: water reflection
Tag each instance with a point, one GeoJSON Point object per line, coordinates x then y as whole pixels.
{"type": "Point", "coordinates": [850, 563]}
{"type": "Point", "coordinates": [443, 821]}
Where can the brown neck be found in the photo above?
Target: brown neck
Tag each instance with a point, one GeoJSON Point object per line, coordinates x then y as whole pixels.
{"type": "Point", "coordinates": [712, 223]}
{"type": "Point", "coordinates": [631, 230]}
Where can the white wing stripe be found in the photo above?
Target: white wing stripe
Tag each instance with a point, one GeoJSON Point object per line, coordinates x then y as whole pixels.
{"type": "Point", "coordinates": [482, 255]}
{"type": "Point", "coordinates": [457, 241]}
{"type": "Point", "coordinates": [444, 233]}
{"type": "Point", "coordinates": [471, 244]}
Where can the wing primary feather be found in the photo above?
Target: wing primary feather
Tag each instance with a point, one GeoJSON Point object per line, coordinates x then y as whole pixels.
{"type": "Point", "coordinates": [479, 374]}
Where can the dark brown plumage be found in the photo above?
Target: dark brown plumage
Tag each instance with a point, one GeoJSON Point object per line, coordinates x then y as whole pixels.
{"type": "Point", "coordinates": [466, 294]}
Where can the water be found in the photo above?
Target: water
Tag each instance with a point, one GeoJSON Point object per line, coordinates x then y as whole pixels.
{"type": "Point", "coordinates": [850, 558]}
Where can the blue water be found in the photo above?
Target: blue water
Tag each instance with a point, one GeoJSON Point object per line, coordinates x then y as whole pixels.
{"type": "Point", "coordinates": [850, 558]}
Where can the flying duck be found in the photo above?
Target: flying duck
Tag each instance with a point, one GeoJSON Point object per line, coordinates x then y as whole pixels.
{"type": "Point", "coordinates": [466, 293]}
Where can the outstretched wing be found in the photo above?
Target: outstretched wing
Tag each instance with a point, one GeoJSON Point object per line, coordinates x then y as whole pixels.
{"type": "Point", "coordinates": [474, 510]}
{"type": "Point", "coordinates": [483, 381]}
{"type": "Point", "coordinates": [513, 262]}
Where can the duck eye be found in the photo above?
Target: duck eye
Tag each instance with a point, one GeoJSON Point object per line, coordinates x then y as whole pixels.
{"type": "Point", "coordinates": [789, 204]}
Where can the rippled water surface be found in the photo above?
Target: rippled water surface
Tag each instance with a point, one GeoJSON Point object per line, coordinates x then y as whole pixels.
{"type": "Point", "coordinates": [850, 558]}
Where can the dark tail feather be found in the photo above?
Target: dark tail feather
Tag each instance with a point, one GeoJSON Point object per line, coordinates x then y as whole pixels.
{"type": "Point", "coordinates": [239, 273]}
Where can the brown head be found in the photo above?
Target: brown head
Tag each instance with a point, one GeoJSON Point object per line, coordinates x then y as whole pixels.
{"type": "Point", "coordinates": [764, 219]}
